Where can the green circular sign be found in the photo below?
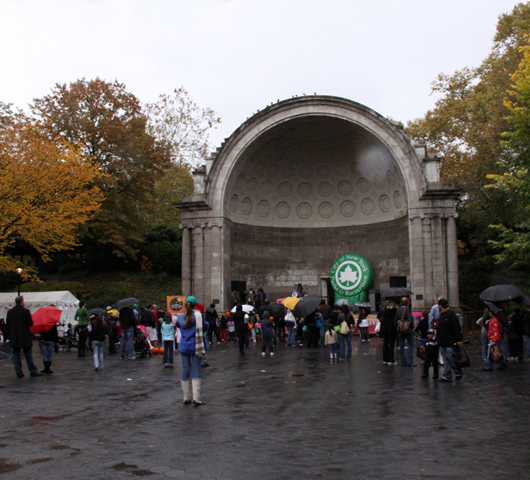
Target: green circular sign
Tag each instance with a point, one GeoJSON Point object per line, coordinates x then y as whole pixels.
{"type": "Point", "coordinates": [351, 274]}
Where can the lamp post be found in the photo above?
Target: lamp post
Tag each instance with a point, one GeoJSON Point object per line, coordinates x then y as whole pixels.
{"type": "Point", "coordinates": [19, 271]}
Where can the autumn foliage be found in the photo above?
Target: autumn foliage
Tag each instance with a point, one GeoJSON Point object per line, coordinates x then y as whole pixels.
{"type": "Point", "coordinates": [46, 190]}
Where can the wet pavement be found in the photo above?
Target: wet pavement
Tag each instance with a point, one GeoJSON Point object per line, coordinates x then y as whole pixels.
{"type": "Point", "coordinates": [291, 416]}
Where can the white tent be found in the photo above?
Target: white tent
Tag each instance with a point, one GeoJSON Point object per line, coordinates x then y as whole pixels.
{"type": "Point", "coordinates": [63, 300]}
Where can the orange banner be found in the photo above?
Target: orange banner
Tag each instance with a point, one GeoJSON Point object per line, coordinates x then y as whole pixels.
{"type": "Point", "coordinates": [175, 304]}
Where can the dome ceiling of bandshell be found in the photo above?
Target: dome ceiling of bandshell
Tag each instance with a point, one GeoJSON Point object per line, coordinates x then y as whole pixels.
{"type": "Point", "coordinates": [318, 172]}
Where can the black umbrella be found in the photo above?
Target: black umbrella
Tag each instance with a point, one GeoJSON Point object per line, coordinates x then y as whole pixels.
{"type": "Point", "coordinates": [397, 292]}
{"type": "Point", "coordinates": [501, 293]}
{"type": "Point", "coordinates": [276, 308]}
{"type": "Point", "coordinates": [494, 308]}
{"type": "Point", "coordinates": [126, 302]}
{"type": "Point", "coordinates": [97, 311]}
{"type": "Point", "coordinates": [306, 305]}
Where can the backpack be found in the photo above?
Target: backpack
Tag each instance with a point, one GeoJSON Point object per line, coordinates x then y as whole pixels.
{"type": "Point", "coordinates": [403, 326]}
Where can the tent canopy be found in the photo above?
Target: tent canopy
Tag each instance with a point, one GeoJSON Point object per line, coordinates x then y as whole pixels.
{"type": "Point", "coordinates": [63, 300]}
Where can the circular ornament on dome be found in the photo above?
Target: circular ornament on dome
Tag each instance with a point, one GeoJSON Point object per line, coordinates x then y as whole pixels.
{"type": "Point", "coordinates": [323, 171]}
{"type": "Point", "coordinates": [368, 206]}
{"type": "Point", "coordinates": [326, 210]}
{"type": "Point", "coordinates": [341, 170]}
{"type": "Point", "coordinates": [288, 171]}
{"type": "Point", "coordinates": [246, 206]}
{"type": "Point", "coordinates": [233, 203]}
{"type": "Point", "coordinates": [266, 187]}
{"type": "Point", "coordinates": [345, 187]}
{"type": "Point", "coordinates": [379, 182]}
{"type": "Point", "coordinates": [391, 176]}
{"type": "Point", "coordinates": [285, 189]}
{"type": "Point", "coordinates": [272, 169]}
{"type": "Point", "coordinates": [398, 200]}
{"type": "Point", "coordinates": [259, 166]}
{"type": "Point", "coordinates": [305, 189]}
{"type": "Point", "coordinates": [363, 185]}
{"type": "Point", "coordinates": [263, 208]}
{"type": "Point", "coordinates": [306, 171]}
{"type": "Point", "coordinates": [304, 210]}
{"type": "Point", "coordinates": [325, 189]}
{"type": "Point", "coordinates": [384, 203]}
{"type": "Point", "coordinates": [251, 184]}
{"type": "Point", "coordinates": [283, 210]}
{"type": "Point", "coordinates": [347, 208]}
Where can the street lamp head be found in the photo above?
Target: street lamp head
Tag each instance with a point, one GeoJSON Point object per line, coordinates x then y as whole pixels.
{"type": "Point", "coordinates": [19, 270]}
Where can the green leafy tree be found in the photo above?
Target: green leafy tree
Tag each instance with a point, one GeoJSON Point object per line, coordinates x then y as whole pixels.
{"type": "Point", "coordinates": [110, 125]}
{"type": "Point", "coordinates": [465, 130]}
{"type": "Point", "coordinates": [514, 182]}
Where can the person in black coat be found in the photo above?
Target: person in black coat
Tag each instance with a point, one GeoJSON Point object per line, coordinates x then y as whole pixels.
{"type": "Point", "coordinates": [388, 331]}
{"type": "Point", "coordinates": [48, 340]}
{"type": "Point", "coordinates": [18, 321]}
{"type": "Point", "coordinates": [449, 338]}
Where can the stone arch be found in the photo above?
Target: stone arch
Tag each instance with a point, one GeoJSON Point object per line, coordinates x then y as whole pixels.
{"type": "Point", "coordinates": [326, 169]}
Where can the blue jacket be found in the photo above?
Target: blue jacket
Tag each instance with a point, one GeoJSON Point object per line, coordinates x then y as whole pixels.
{"type": "Point", "coordinates": [168, 331]}
{"type": "Point", "coordinates": [187, 341]}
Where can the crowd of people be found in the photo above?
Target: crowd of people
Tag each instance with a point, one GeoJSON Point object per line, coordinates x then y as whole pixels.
{"type": "Point", "coordinates": [439, 331]}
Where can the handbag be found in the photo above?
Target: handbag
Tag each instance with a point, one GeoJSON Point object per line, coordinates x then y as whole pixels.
{"type": "Point", "coordinates": [377, 328]}
{"type": "Point", "coordinates": [344, 329]}
{"type": "Point", "coordinates": [403, 326]}
{"type": "Point", "coordinates": [462, 358]}
{"type": "Point", "coordinates": [495, 352]}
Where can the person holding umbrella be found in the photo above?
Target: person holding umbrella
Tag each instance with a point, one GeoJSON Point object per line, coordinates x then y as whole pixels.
{"type": "Point", "coordinates": [18, 323]}
{"type": "Point", "coordinates": [48, 340]}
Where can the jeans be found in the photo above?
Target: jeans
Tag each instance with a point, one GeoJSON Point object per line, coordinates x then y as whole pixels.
{"type": "Point", "coordinates": [291, 336]}
{"type": "Point", "coordinates": [47, 350]}
{"type": "Point", "coordinates": [168, 352]}
{"type": "Point", "coordinates": [332, 348]}
{"type": "Point", "coordinates": [484, 343]}
{"type": "Point", "coordinates": [112, 344]}
{"type": "Point", "coordinates": [99, 353]}
{"type": "Point", "coordinates": [449, 356]}
{"type": "Point", "coordinates": [502, 363]}
{"type": "Point", "coordinates": [345, 340]}
{"type": "Point", "coordinates": [193, 363]}
{"type": "Point", "coordinates": [127, 336]}
{"type": "Point", "coordinates": [267, 340]}
{"type": "Point", "coordinates": [18, 363]}
{"type": "Point", "coordinates": [409, 337]}
{"type": "Point", "coordinates": [323, 330]}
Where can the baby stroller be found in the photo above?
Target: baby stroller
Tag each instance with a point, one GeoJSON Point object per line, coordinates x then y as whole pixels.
{"type": "Point", "coordinates": [142, 345]}
{"type": "Point", "coordinates": [6, 352]}
{"type": "Point", "coordinates": [69, 340]}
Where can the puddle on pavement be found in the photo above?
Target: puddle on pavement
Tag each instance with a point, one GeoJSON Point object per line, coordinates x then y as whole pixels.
{"type": "Point", "coordinates": [131, 470]}
{"type": "Point", "coordinates": [6, 466]}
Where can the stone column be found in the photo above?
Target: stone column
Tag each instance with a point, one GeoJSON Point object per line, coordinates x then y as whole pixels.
{"type": "Point", "coordinates": [417, 275]}
{"type": "Point", "coordinates": [439, 258]}
{"type": "Point", "coordinates": [186, 261]}
{"type": "Point", "coordinates": [428, 285]}
{"type": "Point", "coordinates": [452, 263]}
{"type": "Point", "coordinates": [216, 266]}
{"type": "Point", "coordinates": [197, 283]}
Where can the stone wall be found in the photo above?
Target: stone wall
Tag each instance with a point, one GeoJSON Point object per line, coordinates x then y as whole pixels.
{"type": "Point", "coordinates": [280, 258]}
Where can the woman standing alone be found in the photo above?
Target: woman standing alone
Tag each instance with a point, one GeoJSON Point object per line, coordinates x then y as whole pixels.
{"type": "Point", "coordinates": [191, 347]}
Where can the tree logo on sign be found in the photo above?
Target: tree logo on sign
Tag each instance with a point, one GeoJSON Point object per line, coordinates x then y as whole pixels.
{"type": "Point", "coordinates": [351, 274]}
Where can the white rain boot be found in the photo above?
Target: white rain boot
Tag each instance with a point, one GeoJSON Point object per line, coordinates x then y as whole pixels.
{"type": "Point", "coordinates": [196, 385]}
{"type": "Point", "coordinates": [186, 390]}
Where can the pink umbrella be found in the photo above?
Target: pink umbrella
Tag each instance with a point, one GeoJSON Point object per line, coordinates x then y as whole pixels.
{"type": "Point", "coordinates": [44, 319]}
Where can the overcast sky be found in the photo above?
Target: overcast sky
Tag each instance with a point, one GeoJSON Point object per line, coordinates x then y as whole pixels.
{"type": "Point", "coordinates": [238, 56]}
